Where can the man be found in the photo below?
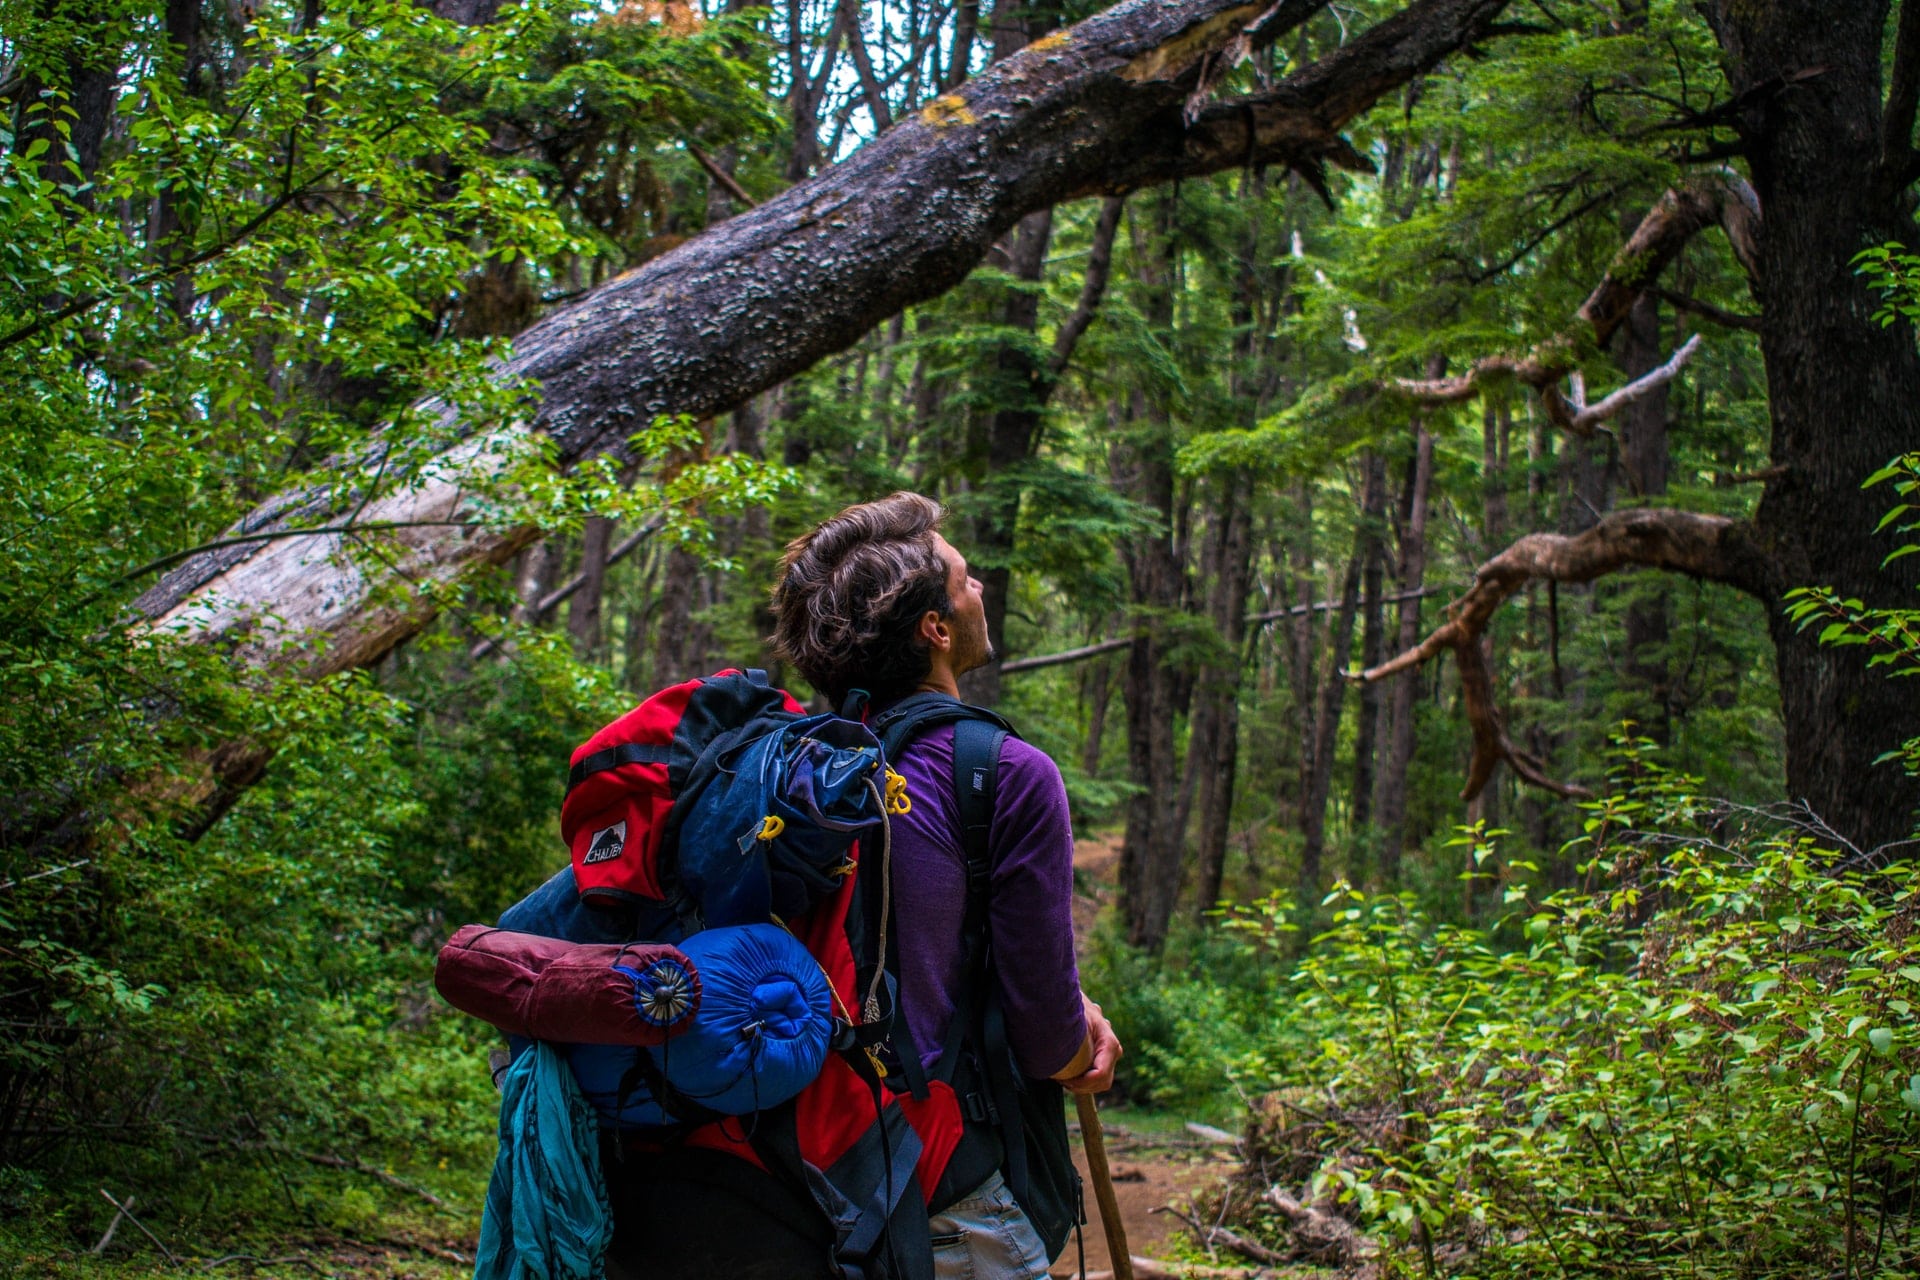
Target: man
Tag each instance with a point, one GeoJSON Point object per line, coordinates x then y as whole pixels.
{"type": "Point", "coordinates": [876, 599]}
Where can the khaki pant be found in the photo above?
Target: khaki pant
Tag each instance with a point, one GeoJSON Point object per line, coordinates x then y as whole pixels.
{"type": "Point", "coordinates": [985, 1236]}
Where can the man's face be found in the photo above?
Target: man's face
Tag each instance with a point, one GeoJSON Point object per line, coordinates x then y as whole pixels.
{"type": "Point", "coordinates": [968, 621]}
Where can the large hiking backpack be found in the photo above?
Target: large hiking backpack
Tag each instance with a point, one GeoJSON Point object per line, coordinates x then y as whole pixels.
{"type": "Point", "coordinates": [718, 804]}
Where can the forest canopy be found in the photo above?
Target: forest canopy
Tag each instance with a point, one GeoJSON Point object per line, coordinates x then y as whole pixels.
{"type": "Point", "coordinates": [1442, 473]}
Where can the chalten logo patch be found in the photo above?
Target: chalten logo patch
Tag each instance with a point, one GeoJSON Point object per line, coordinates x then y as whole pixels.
{"type": "Point", "coordinates": [607, 844]}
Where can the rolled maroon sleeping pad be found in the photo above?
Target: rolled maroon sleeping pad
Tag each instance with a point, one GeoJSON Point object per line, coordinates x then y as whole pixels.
{"type": "Point", "coordinates": [639, 993]}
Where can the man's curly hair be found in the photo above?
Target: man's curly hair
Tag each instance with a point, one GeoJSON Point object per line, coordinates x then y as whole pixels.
{"type": "Point", "coordinates": [851, 594]}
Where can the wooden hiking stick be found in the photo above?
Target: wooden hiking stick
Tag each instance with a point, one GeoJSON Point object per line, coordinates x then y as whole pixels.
{"type": "Point", "coordinates": [1096, 1148]}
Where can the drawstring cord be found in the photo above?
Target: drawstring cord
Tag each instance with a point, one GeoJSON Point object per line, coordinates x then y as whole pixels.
{"type": "Point", "coordinates": [871, 1009]}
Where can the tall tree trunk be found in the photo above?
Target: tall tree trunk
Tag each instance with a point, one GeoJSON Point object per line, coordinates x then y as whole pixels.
{"type": "Point", "coordinates": [1213, 739]}
{"type": "Point", "coordinates": [583, 608]}
{"type": "Point", "coordinates": [1011, 433]}
{"type": "Point", "coordinates": [1643, 447]}
{"type": "Point", "coordinates": [1373, 648]}
{"type": "Point", "coordinates": [1413, 569]}
{"type": "Point", "coordinates": [679, 651]}
{"type": "Point", "coordinates": [1841, 389]}
{"type": "Point", "coordinates": [1152, 853]}
{"type": "Point", "coordinates": [1326, 729]}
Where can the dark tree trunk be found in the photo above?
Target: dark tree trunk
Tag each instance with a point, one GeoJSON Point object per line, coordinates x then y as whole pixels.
{"type": "Point", "coordinates": [1012, 430]}
{"type": "Point", "coordinates": [1326, 730]}
{"type": "Point", "coordinates": [1213, 738]}
{"type": "Point", "coordinates": [583, 608]}
{"type": "Point", "coordinates": [1152, 855]}
{"type": "Point", "coordinates": [1373, 648]}
{"type": "Point", "coordinates": [1643, 454]}
{"type": "Point", "coordinates": [1413, 569]}
{"type": "Point", "coordinates": [1841, 389]}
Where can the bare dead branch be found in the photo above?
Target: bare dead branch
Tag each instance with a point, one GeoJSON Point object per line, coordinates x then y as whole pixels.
{"type": "Point", "coordinates": [1710, 548]}
{"type": "Point", "coordinates": [1721, 197]}
{"type": "Point", "coordinates": [1588, 417]}
{"type": "Point", "coordinates": [1706, 310]}
{"type": "Point", "coordinates": [721, 176]}
{"type": "Point", "coordinates": [126, 1211]}
{"type": "Point", "coordinates": [1117, 643]}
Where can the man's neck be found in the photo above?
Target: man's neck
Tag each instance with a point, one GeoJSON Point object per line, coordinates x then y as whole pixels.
{"type": "Point", "coordinates": [940, 679]}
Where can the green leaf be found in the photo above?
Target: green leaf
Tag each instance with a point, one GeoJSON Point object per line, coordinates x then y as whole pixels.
{"type": "Point", "coordinates": [1881, 1039]}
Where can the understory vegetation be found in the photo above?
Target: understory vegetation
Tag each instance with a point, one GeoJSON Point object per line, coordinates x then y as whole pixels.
{"type": "Point", "coordinates": [1705, 1059]}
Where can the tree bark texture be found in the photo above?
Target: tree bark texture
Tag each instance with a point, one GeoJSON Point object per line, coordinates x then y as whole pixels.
{"type": "Point", "coordinates": [1011, 431]}
{"type": "Point", "coordinates": [1413, 567]}
{"type": "Point", "coordinates": [1326, 729]}
{"type": "Point", "coordinates": [1213, 739]}
{"type": "Point", "coordinates": [583, 610]}
{"type": "Point", "coordinates": [1152, 852]}
{"type": "Point", "coordinates": [1842, 391]}
{"type": "Point", "coordinates": [1153, 849]}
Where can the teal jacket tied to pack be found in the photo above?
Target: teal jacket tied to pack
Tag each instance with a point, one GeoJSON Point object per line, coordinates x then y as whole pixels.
{"type": "Point", "coordinates": [547, 1215]}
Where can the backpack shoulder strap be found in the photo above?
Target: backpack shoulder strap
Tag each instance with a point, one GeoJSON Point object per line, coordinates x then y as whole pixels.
{"type": "Point", "coordinates": [976, 775]}
{"type": "Point", "coordinates": [907, 719]}
{"type": "Point", "coordinates": [976, 771]}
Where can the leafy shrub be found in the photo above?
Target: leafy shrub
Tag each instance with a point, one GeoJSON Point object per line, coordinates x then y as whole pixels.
{"type": "Point", "coordinates": [1710, 1063]}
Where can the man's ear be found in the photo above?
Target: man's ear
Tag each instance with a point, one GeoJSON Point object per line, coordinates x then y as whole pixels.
{"type": "Point", "coordinates": [934, 630]}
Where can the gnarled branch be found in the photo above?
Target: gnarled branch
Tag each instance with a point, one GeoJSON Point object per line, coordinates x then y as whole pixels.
{"type": "Point", "coordinates": [1711, 548]}
{"type": "Point", "coordinates": [1721, 197]}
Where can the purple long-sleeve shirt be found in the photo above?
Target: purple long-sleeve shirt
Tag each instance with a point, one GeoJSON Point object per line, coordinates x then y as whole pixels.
{"type": "Point", "coordinates": [1030, 903]}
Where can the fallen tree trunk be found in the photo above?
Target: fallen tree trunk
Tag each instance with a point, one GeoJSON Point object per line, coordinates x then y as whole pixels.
{"type": "Point", "coordinates": [331, 578]}
{"type": "Point", "coordinates": [1097, 109]}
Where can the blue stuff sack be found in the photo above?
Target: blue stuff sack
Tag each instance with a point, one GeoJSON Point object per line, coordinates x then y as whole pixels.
{"type": "Point", "coordinates": [759, 1038]}
{"type": "Point", "coordinates": [802, 793]}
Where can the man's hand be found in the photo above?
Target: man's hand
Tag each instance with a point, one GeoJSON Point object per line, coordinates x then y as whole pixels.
{"type": "Point", "coordinates": [1102, 1050]}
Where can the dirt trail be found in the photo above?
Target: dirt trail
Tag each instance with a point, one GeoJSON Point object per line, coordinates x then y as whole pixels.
{"type": "Point", "coordinates": [1148, 1172]}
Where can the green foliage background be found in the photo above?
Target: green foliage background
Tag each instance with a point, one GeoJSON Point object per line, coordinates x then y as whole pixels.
{"type": "Point", "coordinates": [1635, 1038]}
